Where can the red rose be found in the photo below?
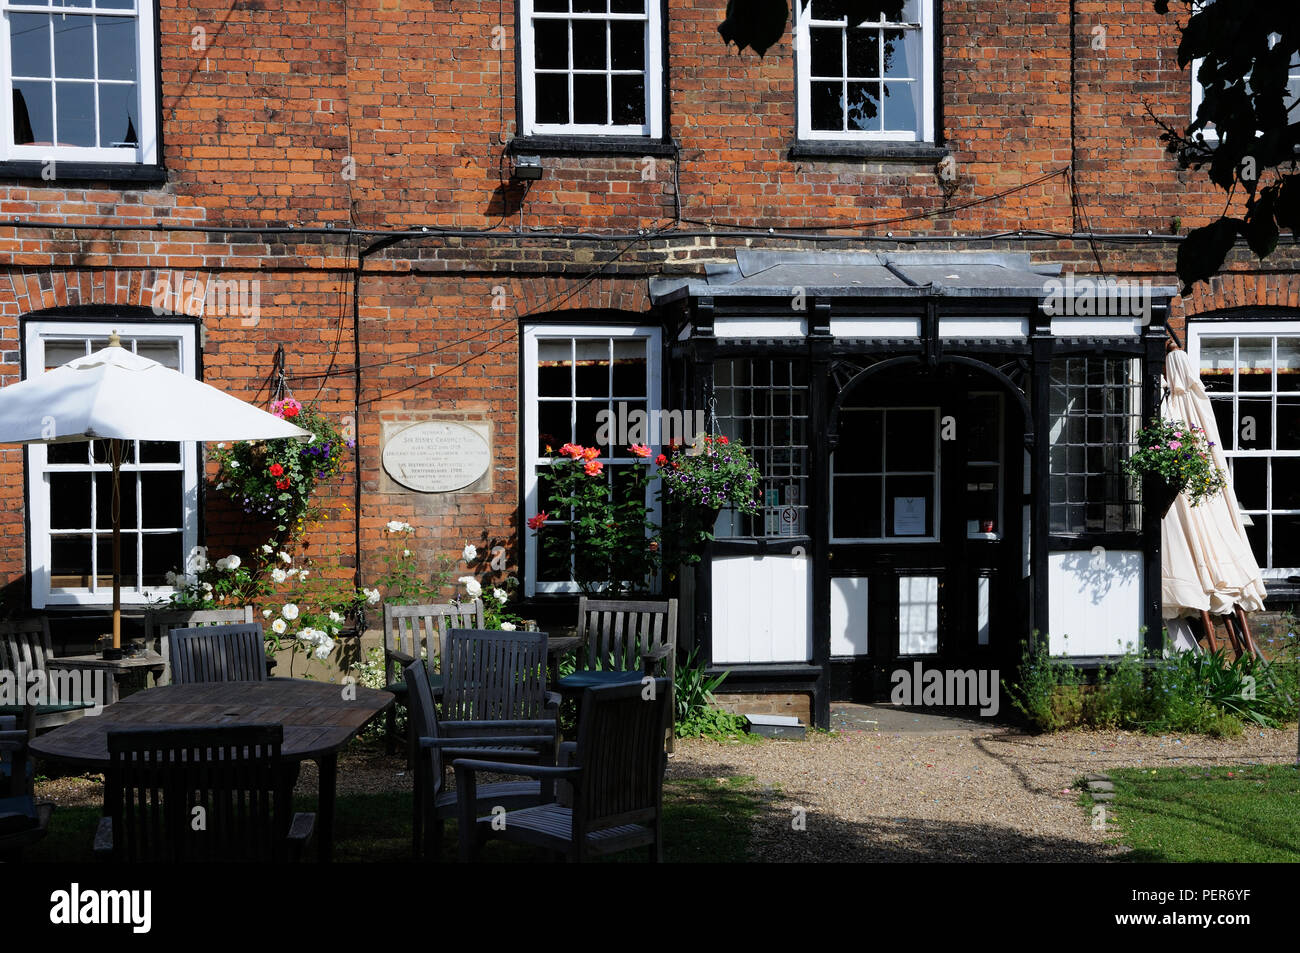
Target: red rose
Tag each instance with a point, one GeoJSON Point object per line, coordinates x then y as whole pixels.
{"type": "Point", "coordinates": [661, 459]}
{"type": "Point", "coordinates": [277, 470]}
{"type": "Point", "coordinates": [538, 521]}
{"type": "Point", "coordinates": [282, 484]}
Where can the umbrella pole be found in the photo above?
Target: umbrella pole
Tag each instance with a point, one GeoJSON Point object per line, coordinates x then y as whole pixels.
{"type": "Point", "coordinates": [116, 449]}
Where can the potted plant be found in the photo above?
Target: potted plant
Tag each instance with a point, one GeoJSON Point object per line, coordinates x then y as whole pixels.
{"type": "Point", "coordinates": [698, 481]}
{"type": "Point", "coordinates": [1174, 457]}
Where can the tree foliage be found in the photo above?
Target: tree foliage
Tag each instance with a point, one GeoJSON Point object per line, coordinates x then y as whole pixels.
{"type": "Point", "coordinates": [1246, 130]}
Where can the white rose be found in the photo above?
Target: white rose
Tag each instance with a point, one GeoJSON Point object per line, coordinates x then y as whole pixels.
{"type": "Point", "coordinates": [507, 627]}
{"type": "Point", "coordinates": [291, 572]}
{"type": "Point", "coordinates": [278, 575]}
{"type": "Point", "coordinates": [221, 564]}
{"type": "Point", "coordinates": [286, 557]}
{"type": "Point", "coordinates": [302, 574]}
{"type": "Point", "coordinates": [200, 563]}
{"type": "Point", "coordinates": [472, 586]}
{"type": "Point", "coordinates": [500, 595]}
{"type": "Point", "coordinates": [207, 587]}
{"type": "Point", "coordinates": [335, 617]}
{"type": "Point", "coordinates": [234, 464]}
{"type": "Point", "coordinates": [372, 597]}
{"type": "Point", "coordinates": [406, 552]}
{"type": "Point", "coordinates": [396, 526]}
{"type": "Point", "coordinates": [470, 553]}
{"type": "Point", "coordinates": [278, 627]}
{"type": "Point", "coordinates": [266, 613]}
{"type": "Point", "coordinates": [324, 647]}
{"type": "Point", "coordinates": [232, 562]}
{"type": "Point", "coordinates": [290, 611]}
{"type": "Point", "coordinates": [266, 549]}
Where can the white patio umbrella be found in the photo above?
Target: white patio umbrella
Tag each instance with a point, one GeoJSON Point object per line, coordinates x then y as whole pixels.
{"type": "Point", "coordinates": [1206, 560]}
{"type": "Point", "coordinates": [116, 395]}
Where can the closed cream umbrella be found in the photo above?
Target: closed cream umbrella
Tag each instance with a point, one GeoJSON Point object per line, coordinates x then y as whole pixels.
{"type": "Point", "coordinates": [115, 395]}
{"type": "Point", "coordinates": [1206, 561]}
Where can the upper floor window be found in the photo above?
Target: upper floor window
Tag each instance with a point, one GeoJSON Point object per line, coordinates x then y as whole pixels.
{"type": "Point", "coordinates": [591, 67]}
{"type": "Point", "coordinates": [1198, 92]}
{"type": "Point", "coordinates": [871, 79]}
{"type": "Point", "coordinates": [81, 81]}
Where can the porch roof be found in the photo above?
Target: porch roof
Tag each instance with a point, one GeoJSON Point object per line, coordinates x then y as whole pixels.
{"type": "Point", "coordinates": [763, 273]}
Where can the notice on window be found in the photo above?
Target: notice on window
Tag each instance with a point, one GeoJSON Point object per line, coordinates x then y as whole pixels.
{"type": "Point", "coordinates": [909, 516]}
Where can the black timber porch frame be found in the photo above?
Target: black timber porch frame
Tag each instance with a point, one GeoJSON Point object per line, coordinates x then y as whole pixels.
{"type": "Point", "coordinates": [689, 378]}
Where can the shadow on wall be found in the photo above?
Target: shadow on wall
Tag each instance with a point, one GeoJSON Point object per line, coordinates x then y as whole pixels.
{"type": "Point", "coordinates": [1098, 571]}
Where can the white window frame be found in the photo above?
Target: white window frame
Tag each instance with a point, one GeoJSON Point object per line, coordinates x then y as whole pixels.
{"type": "Point", "coordinates": [35, 336]}
{"type": "Point", "coordinates": [1198, 330]}
{"type": "Point", "coordinates": [803, 85]}
{"type": "Point", "coordinates": [886, 536]}
{"type": "Point", "coordinates": [146, 150]}
{"type": "Point", "coordinates": [528, 451]}
{"type": "Point", "coordinates": [651, 129]}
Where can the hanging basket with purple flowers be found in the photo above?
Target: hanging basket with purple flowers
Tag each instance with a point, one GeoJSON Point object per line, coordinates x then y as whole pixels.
{"type": "Point", "coordinates": [1175, 458]}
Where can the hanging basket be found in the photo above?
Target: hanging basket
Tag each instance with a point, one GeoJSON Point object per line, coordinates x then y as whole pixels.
{"type": "Point", "coordinates": [1161, 493]}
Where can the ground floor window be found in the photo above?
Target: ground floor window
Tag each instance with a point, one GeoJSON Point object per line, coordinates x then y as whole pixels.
{"type": "Point", "coordinates": [590, 385]}
{"type": "Point", "coordinates": [70, 484]}
{"type": "Point", "coordinates": [1251, 371]}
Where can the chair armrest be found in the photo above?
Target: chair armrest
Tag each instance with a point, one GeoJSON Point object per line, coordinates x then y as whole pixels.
{"type": "Point", "coordinates": [567, 750]}
{"type": "Point", "coordinates": [662, 651]}
{"type": "Point", "coordinates": [400, 656]}
{"type": "Point", "coordinates": [303, 828]}
{"type": "Point", "coordinates": [469, 767]}
{"type": "Point", "coordinates": [553, 700]}
{"type": "Point", "coordinates": [487, 741]}
{"type": "Point", "coordinates": [104, 839]}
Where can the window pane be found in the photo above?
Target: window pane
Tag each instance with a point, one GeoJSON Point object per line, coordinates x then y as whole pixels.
{"type": "Point", "coordinates": [1249, 482]}
{"type": "Point", "coordinates": [30, 34]}
{"type": "Point", "coordinates": [69, 562]}
{"type": "Point", "coordinates": [33, 113]}
{"type": "Point", "coordinates": [74, 53]}
{"type": "Point", "coordinates": [552, 98]}
{"type": "Point", "coordinates": [1286, 542]}
{"type": "Point", "coordinates": [553, 557]}
{"type": "Point", "coordinates": [1255, 364]}
{"type": "Point", "coordinates": [590, 105]}
{"type": "Point", "coordinates": [551, 41]}
{"type": "Point", "coordinates": [627, 44]}
{"type": "Point", "coordinates": [115, 41]}
{"type": "Point", "coordinates": [864, 106]}
{"type": "Point", "coordinates": [826, 54]}
{"type": "Point", "coordinates": [1288, 423]}
{"type": "Point", "coordinates": [902, 492]}
{"type": "Point", "coordinates": [70, 499]}
{"type": "Point", "coordinates": [119, 125]}
{"type": "Point", "coordinates": [161, 500]}
{"type": "Point", "coordinates": [76, 106]}
{"type": "Point", "coordinates": [589, 44]}
{"type": "Point", "coordinates": [159, 452]}
{"type": "Point", "coordinates": [75, 452]}
{"type": "Point", "coordinates": [1257, 534]}
{"type": "Point", "coordinates": [587, 413]}
{"type": "Point", "coordinates": [859, 449]}
{"type": "Point", "coordinates": [909, 440]}
{"type": "Point", "coordinates": [1217, 362]}
{"type": "Point", "coordinates": [864, 53]}
{"type": "Point", "coordinates": [1288, 364]}
{"type": "Point", "coordinates": [1255, 424]}
{"type": "Point", "coordinates": [592, 373]}
{"type": "Point", "coordinates": [100, 450]}
{"type": "Point", "coordinates": [857, 508]}
{"type": "Point", "coordinates": [551, 6]}
{"type": "Point", "coordinates": [827, 106]}
{"type": "Point", "coordinates": [163, 553]}
{"type": "Point", "coordinates": [589, 6]}
{"type": "Point", "coordinates": [1286, 483]}
{"type": "Point", "coordinates": [554, 368]}
{"type": "Point", "coordinates": [1223, 420]}
{"type": "Point", "coordinates": [629, 369]}
{"type": "Point", "coordinates": [902, 106]}
{"type": "Point", "coordinates": [627, 6]}
{"type": "Point", "coordinates": [104, 500]}
{"type": "Point", "coordinates": [104, 545]}
{"type": "Point", "coordinates": [553, 425]}
{"type": "Point", "coordinates": [629, 99]}
{"type": "Point", "coordinates": [902, 54]}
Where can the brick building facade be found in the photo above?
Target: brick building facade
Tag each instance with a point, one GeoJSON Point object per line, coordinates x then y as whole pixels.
{"type": "Point", "coordinates": [355, 162]}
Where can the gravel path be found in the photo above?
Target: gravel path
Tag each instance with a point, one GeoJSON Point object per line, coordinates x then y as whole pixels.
{"type": "Point", "coordinates": [985, 794]}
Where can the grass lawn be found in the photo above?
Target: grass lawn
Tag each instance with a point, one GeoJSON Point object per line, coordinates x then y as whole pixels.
{"type": "Point", "coordinates": [704, 820]}
{"type": "Point", "coordinates": [1207, 815]}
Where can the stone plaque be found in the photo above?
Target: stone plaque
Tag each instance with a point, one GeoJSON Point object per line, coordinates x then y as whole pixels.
{"type": "Point", "coordinates": [436, 457]}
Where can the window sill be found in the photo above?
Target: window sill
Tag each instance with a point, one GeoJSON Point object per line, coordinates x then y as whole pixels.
{"type": "Point", "coordinates": [879, 151]}
{"type": "Point", "coordinates": [65, 172]}
{"type": "Point", "coordinates": [592, 145]}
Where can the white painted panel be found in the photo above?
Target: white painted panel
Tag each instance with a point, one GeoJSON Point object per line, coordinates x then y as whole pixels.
{"type": "Point", "coordinates": [1095, 601]}
{"type": "Point", "coordinates": [760, 327]}
{"type": "Point", "coordinates": [876, 327]}
{"type": "Point", "coordinates": [982, 610]}
{"type": "Point", "coordinates": [983, 327]}
{"type": "Point", "coordinates": [762, 609]}
{"type": "Point", "coordinates": [1088, 327]}
{"type": "Point", "coordinates": [918, 615]}
{"type": "Point", "coordinates": [1026, 542]}
{"type": "Point", "coordinates": [849, 612]}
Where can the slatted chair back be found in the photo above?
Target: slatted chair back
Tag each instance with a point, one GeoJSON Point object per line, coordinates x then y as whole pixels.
{"type": "Point", "coordinates": [218, 653]}
{"type": "Point", "coordinates": [157, 777]}
{"type": "Point", "coordinates": [159, 623]}
{"type": "Point", "coordinates": [411, 632]}
{"type": "Point", "coordinates": [422, 720]}
{"type": "Point", "coordinates": [621, 753]}
{"type": "Point", "coordinates": [25, 644]}
{"type": "Point", "coordinates": [614, 632]}
{"type": "Point", "coordinates": [493, 675]}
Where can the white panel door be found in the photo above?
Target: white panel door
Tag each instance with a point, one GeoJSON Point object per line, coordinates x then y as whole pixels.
{"type": "Point", "coordinates": [1094, 601]}
{"type": "Point", "coordinates": [762, 609]}
{"type": "Point", "coordinates": [849, 612]}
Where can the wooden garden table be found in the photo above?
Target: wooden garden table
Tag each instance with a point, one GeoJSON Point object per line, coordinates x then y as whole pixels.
{"type": "Point", "coordinates": [318, 722]}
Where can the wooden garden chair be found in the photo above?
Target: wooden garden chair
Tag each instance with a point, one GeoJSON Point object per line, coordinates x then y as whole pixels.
{"type": "Point", "coordinates": [433, 801]}
{"type": "Point", "coordinates": [159, 623]}
{"type": "Point", "coordinates": [412, 632]}
{"type": "Point", "coordinates": [624, 641]}
{"type": "Point", "coordinates": [615, 774]}
{"type": "Point", "coordinates": [493, 676]}
{"type": "Point", "coordinates": [157, 777]}
{"type": "Point", "coordinates": [25, 647]}
{"type": "Point", "coordinates": [23, 821]}
{"type": "Point", "coordinates": [218, 653]}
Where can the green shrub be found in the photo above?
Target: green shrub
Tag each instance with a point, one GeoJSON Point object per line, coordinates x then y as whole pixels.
{"type": "Point", "coordinates": [697, 715]}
